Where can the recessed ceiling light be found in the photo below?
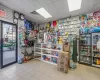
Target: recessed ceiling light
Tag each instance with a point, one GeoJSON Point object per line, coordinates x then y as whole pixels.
{"type": "Point", "coordinates": [74, 4]}
{"type": "Point", "coordinates": [43, 13]}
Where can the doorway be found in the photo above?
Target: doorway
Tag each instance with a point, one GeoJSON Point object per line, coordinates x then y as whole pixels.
{"type": "Point", "coordinates": [8, 44]}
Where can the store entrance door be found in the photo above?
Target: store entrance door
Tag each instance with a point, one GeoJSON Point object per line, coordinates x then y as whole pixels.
{"type": "Point", "coordinates": [9, 44]}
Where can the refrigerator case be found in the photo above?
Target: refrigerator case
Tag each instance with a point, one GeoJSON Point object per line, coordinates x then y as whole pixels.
{"type": "Point", "coordinates": [95, 50]}
{"type": "Point", "coordinates": [85, 54]}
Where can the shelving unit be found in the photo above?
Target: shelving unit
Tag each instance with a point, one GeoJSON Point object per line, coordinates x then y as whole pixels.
{"type": "Point", "coordinates": [47, 53]}
{"type": "Point", "coordinates": [95, 52]}
{"type": "Point", "coordinates": [62, 32]}
{"type": "Point", "coordinates": [40, 37]}
{"type": "Point", "coordinates": [85, 55]}
{"type": "Point", "coordinates": [70, 25]}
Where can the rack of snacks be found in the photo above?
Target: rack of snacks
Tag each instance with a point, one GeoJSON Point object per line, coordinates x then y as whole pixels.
{"type": "Point", "coordinates": [47, 52]}
{"type": "Point", "coordinates": [95, 51]}
{"type": "Point", "coordinates": [85, 55]}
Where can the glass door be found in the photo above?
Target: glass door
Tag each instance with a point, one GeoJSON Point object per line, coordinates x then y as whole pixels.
{"type": "Point", "coordinates": [9, 46]}
{"type": "Point", "coordinates": [85, 49]}
{"type": "Point", "coordinates": [0, 43]}
{"type": "Point", "coordinates": [95, 51]}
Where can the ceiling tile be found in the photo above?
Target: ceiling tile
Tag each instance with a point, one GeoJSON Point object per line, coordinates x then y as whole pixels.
{"type": "Point", "coordinates": [62, 7]}
{"type": "Point", "coordinates": [25, 5]}
{"type": "Point", "coordinates": [34, 4]}
{"type": "Point", "coordinates": [86, 6]}
{"type": "Point", "coordinates": [96, 6]}
{"type": "Point", "coordinates": [55, 0]}
{"type": "Point", "coordinates": [44, 2]}
{"type": "Point", "coordinates": [51, 9]}
{"type": "Point", "coordinates": [30, 5]}
{"type": "Point", "coordinates": [11, 4]}
{"type": "Point", "coordinates": [36, 18]}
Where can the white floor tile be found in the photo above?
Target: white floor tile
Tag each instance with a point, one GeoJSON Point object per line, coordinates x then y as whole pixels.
{"type": "Point", "coordinates": [37, 70]}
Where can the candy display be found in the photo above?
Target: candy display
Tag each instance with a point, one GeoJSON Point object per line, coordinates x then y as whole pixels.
{"type": "Point", "coordinates": [49, 52]}
{"type": "Point", "coordinates": [46, 58]}
{"type": "Point", "coordinates": [54, 60]}
{"type": "Point", "coordinates": [54, 53]}
{"type": "Point", "coordinates": [52, 46]}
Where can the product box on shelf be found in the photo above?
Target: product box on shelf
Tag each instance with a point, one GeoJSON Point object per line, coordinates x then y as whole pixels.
{"type": "Point", "coordinates": [63, 62]}
{"type": "Point", "coordinates": [66, 47]}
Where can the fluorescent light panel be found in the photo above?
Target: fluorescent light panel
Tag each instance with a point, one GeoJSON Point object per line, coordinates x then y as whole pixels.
{"type": "Point", "coordinates": [43, 13]}
{"type": "Point", "coordinates": [74, 4]}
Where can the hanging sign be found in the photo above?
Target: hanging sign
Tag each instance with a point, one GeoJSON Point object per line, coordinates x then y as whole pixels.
{"type": "Point", "coordinates": [2, 13]}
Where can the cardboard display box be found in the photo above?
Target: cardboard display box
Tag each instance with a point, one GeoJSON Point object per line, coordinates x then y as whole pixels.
{"type": "Point", "coordinates": [63, 62]}
{"type": "Point", "coordinates": [66, 47]}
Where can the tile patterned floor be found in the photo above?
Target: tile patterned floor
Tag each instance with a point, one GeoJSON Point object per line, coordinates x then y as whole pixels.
{"type": "Point", "coordinates": [37, 70]}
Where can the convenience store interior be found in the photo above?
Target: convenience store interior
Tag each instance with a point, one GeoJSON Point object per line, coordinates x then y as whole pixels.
{"type": "Point", "coordinates": [49, 39]}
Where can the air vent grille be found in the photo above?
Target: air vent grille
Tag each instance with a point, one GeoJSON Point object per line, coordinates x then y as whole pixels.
{"type": "Point", "coordinates": [35, 13]}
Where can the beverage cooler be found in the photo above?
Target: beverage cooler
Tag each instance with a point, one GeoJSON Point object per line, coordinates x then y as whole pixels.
{"type": "Point", "coordinates": [8, 44]}
{"type": "Point", "coordinates": [95, 51]}
{"type": "Point", "coordinates": [85, 52]}
{"type": "Point", "coordinates": [88, 52]}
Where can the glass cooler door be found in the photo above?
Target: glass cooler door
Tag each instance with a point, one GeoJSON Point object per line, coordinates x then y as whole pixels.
{"type": "Point", "coordinates": [85, 49]}
{"type": "Point", "coordinates": [95, 51]}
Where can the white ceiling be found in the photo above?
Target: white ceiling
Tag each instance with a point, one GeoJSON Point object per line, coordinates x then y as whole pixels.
{"type": "Point", "coordinates": [57, 8]}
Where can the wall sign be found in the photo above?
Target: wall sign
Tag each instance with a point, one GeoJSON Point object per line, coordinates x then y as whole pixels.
{"type": "Point", "coordinates": [2, 13]}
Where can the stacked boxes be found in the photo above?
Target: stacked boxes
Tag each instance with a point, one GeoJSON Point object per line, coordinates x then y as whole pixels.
{"type": "Point", "coordinates": [63, 62]}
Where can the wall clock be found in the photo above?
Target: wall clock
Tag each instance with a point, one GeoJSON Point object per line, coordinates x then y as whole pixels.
{"type": "Point", "coordinates": [21, 16]}
{"type": "Point", "coordinates": [16, 15]}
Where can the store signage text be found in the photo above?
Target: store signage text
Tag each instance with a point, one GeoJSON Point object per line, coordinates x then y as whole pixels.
{"type": "Point", "coordinates": [2, 13]}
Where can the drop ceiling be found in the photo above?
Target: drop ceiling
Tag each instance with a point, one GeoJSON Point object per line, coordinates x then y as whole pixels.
{"type": "Point", "coordinates": [57, 8]}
